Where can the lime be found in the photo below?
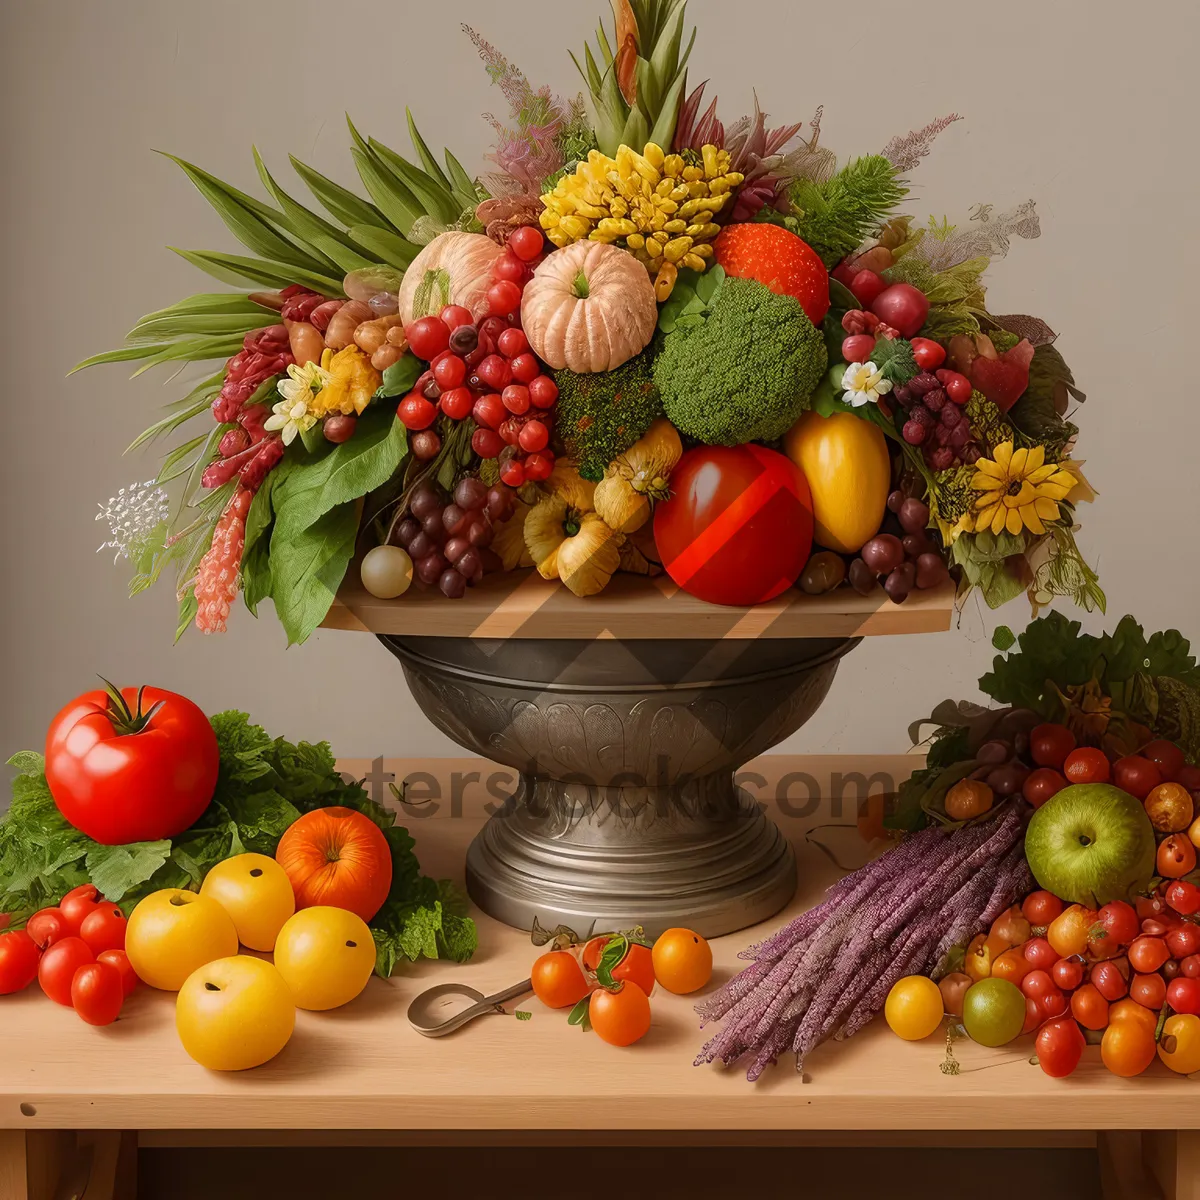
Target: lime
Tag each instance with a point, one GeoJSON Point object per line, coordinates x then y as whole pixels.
{"type": "Point", "coordinates": [914, 1007]}
{"type": "Point", "coordinates": [993, 1012]}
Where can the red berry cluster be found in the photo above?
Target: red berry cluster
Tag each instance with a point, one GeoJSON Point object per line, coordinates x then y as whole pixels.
{"type": "Point", "coordinates": [933, 417]}
{"type": "Point", "coordinates": [487, 372]}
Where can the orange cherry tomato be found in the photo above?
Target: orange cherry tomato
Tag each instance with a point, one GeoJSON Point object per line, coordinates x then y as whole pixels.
{"type": "Point", "coordinates": [1130, 1010]}
{"type": "Point", "coordinates": [1012, 965]}
{"type": "Point", "coordinates": [1088, 1007]}
{"type": "Point", "coordinates": [682, 961]}
{"type": "Point", "coordinates": [620, 1017]}
{"type": "Point", "coordinates": [1127, 1047]}
{"type": "Point", "coordinates": [1176, 856]}
{"type": "Point", "coordinates": [593, 950]}
{"type": "Point", "coordinates": [1087, 765]}
{"type": "Point", "coordinates": [558, 981]}
{"type": "Point", "coordinates": [1148, 991]}
{"type": "Point", "coordinates": [1040, 908]}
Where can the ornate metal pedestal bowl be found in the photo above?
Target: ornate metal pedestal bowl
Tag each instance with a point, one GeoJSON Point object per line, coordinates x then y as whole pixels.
{"type": "Point", "coordinates": [626, 811]}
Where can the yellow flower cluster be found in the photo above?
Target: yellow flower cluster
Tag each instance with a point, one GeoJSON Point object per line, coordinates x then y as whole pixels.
{"type": "Point", "coordinates": [658, 206]}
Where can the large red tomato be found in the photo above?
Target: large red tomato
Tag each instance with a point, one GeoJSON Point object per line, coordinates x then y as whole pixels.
{"type": "Point", "coordinates": [131, 766]}
{"type": "Point", "coordinates": [738, 527]}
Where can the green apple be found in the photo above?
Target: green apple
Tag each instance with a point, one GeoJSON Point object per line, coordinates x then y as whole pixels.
{"type": "Point", "coordinates": [1091, 843]}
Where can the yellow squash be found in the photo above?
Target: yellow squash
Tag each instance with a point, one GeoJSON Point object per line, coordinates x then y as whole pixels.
{"type": "Point", "coordinates": [845, 460]}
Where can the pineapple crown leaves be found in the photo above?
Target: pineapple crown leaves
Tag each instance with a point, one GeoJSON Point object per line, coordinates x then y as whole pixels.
{"type": "Point", "coordinates": [655, 86]}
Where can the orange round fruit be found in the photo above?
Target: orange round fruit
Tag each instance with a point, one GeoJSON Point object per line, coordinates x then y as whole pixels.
{"type": "Point", "coordinates": [558, 981]}
{"type": "Point", "coordinates": [1127, 1047]}
{"type": "Point", "coordinates": [1131, 1010]}
{"type": "Point", "coordinates": [1169, 807]}
{"type": "Point", "coordinates": [636, 964]}
{"type": "Point", "coordinates": [620, 1017]}
{"type": "Point", "coordinates": [338, 858]}
{"type": "Point", "coordinates": [682, 961]}
{"type": "Point", "coordinates": [1176, 856]}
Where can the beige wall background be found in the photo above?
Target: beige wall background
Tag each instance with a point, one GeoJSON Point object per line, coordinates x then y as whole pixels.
{"type": "Point", "coordinates": [1087, 107]}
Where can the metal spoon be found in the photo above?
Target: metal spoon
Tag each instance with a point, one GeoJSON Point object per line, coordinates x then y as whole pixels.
{"type": "Point", "coordinates": [425, 1011]}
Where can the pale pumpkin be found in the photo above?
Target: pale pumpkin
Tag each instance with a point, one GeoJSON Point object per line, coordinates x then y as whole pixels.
{"type": "Point", "coordinates": [845, 460]}
{"type": "Point", "coordinates": [589, 307]}
{"type": "Point", "coordinates": [455, 268]}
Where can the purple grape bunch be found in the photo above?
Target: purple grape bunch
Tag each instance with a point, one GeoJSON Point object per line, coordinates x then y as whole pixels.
{"type": "Point", "coordinates": [931, 420]}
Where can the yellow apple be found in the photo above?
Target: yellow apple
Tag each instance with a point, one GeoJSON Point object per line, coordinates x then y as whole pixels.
{"type": "Point", "coordinates": [256, 892]}
{"type": "Point", "coordinates": [172, 932]}
{"type": "Point", "coordinates": [234, 1013]}
{"type": "Point", "coordinates": [326, 955]}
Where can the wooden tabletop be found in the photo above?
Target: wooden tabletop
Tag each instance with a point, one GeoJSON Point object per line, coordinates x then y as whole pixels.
{"type": "Point", "coordinates": [523, 604]}
{"type": "Point", "coordinates": [362, 1067]}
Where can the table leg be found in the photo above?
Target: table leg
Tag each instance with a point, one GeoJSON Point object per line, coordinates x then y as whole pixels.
{"type": "Point", "coordinates": [1123, 1173]}
{"type": "Point", "coordinates": [1173, 1158]}
{"type": "Point", "coordinates": [51, 1164]}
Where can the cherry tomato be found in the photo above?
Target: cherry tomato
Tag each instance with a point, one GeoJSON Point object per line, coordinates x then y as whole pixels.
{"type": "Point", "coordinates": [1109, 980]}
{"type": "Point", "coordinates": [1040, 954]}
{"type": "Point", "coordinates": [120, 960]}
{"type": "Point", "coordinates": [415, 412]}
{"type": "Point", "coordinates": [495, 372]}
{"type": "Point", "coordinates": [526, 242]}
{"type": "Point", "coordinates": [1040, 908]}
{"type": "Point", "coordinates": [1011, 965]}
{"type": "Point", "coordinates": [1189, 967]}
{"type": "Point", "coordinates": [737, 528]}
{"type": "Point", "coordinates": [1130, 1010]}
{"type": "Point", "coordinates": [104, 928]}
{"type": "Point", "coordinates": [1136, 775]}
{"type": "Point", "coordinates": [1049, 745]}
{"type": "Point", "coordinates": [1155, 928]}
{"type": "Point", "coordinates": [957, 386]}
{"type": "Point", "coordinates": [1033, 1015]}
{"type": "Point", "coordinates": [134, 771]}
{"type": "Point", "coordinates": [1127, 1048]}
{"type": "Point", "coordinates": [534, 436]}
{"type": "Point", "coordinates": [1166, 756]}
{"type": "Point", "coordinates": [1119, 921]}
{"type": "Point", "coordinates": [1183, 897]}
{"type": "Point", "coordinates": [1054, 1004]}
{"type": "Point", "coordinates": [558, 981]}
{"type": "Point", "coordinates": [512, 473]}
{"type": "Point", "coordinates": [1147, 954]}
{"type": "Point", "coordinates": [620, 1017]}
{"type": "Point", "coordinates": [928, 353]}
{"type": "Point", "coordinates": [19, 957]}
{"type": "Point", "coordinates": [1148, 990]}
{"type": "Point", "coordinates": [1150, 906]}
{"type": "Point", "coordinates": [525, 368]}
{"type": "Point", "coordinates": [1067, 973]}
{"type": "Point", "coordinates": [1089, 1007]}
{"type": "Point", "coordinates": [543, 391]}
{"type": "Point", "coordinates": [97, 993]}
{"type": "Point", "coordinates": [512, 343]}
{"type": "Point", "coordinates": [454, 315]}
{"type": "Point", "coordinates": [427, 337]}
{"type": "Point", "coordinates": [1087, 765]}
{"type": "Point", "coordinates": [1176, 856]}
{"type": "Point", "coordinates": [449, 371]}
{"type": "Point", "coordinates": [58, 967]}
{"type": "Point", "coordinates": [510, 267]}
{"type": "Point", "coordinates": [457, 403]}
{"type": "Point", "coordinates": [487, 443]}
{"type": "Point", "coordinates": [503, 298]}
{"type": "Point", "coordinates": [1041, 784]}
{"type": "Point", "coordinates": [1059, 1047]}
{"type": "Point", "coordinates": [858, 347]}
{"type": "Point", "coordinates": [1038, 984]}
{"type": "Point", "coordinates": [489, 411]}
{"type": "Point", "coordinates": [1183, 995]}
{"type": "Point", "coordinates": [48, 926]}
{"type": "Point", "coordinates": [539, 466]}
{"type": "Point", "coordinates": [77, 904]}
{"type": "Point", "coordinates": [1184, 940]}
{"type": "Point", "coordinates": [1188, 776]}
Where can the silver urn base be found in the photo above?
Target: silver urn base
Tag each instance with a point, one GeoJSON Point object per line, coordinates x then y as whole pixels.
{"type": "Point", "coordinates": [626, 812]}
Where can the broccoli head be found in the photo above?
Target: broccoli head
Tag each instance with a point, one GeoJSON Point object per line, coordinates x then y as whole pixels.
{"type": "Point", "coordinates": [598, 417]}
{"type": "Point", "coordinates": [746, 373]}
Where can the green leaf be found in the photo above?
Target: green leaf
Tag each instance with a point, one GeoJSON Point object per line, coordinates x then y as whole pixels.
{"type": "Point", "coordinates": [28, 762]}
{"type": "Point", "coordinates": [523, 1014]}
{"type": "Point", "coordinates": [400, 377]}
{"type": "Point", "coordinates": [579, 1014]}
{"type": "Point", "coordinates": [894, 358]}
{"type": "Point", "coordinates": [1051, 649]}
{"type": "Point", "coordinates": [1004, 638]}
{"type": "Point", "coordinates": [122, 354]}
{"type": "Point", "coordinates": [434, 199]}
{"type": "Point", "coordinates": [116, 870]}
{"type": "Point", "coordinates": [387, 245]}
{"type": "Point", "coordinates": [236, 269]}
{"type": "Point", "coordinates": [841, 298]}
{"type": "Point", "coordinates": [395, 201]}
{"type": "Point", "coordinates": [191, 326]}
{"type": "Point", "coordinates": [348, 473]}
{"type": "Point", "coordinates": [341, 203]}
{"type": "Point", "coordinates": [308, 564]}
{"type": "Point", "coordinates": [461, 183]}
{"type": "Point", "coordinates": [197, 401]}
{"type": "Point", "coordinates": [432, 167]}
{"type": "Point", "coordinates": [198, 349]}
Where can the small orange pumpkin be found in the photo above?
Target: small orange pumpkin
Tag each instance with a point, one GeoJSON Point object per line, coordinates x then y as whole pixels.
{"type": "Point", "coordinates": [455, 268]}
{"type": "Point", "coordinates": [589, 307]}
{"type": "Point", "coordinates": [337, 857]}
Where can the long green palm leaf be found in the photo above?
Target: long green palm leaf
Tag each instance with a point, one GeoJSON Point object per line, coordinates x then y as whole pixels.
{"type": "Point", "coordinates": [341, 203]}
{"type": "Point", "coordinates": [237, 269]}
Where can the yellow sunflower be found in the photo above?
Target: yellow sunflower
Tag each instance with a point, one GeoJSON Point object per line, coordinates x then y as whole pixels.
{"type": "Point", "coordinates": [1020, 490]}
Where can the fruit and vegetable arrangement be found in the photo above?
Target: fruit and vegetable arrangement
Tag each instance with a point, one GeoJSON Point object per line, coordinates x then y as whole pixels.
{"type": "Point", "coordinates": [642, 340]}
{"type": "Point", "coordinates": [1043, 878]}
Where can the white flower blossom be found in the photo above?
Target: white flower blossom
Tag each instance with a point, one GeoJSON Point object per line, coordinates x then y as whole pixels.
{"type": "Point", "coordinates": [134, 515]}
{"type": "Point", "coordinates": [864, 384]}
